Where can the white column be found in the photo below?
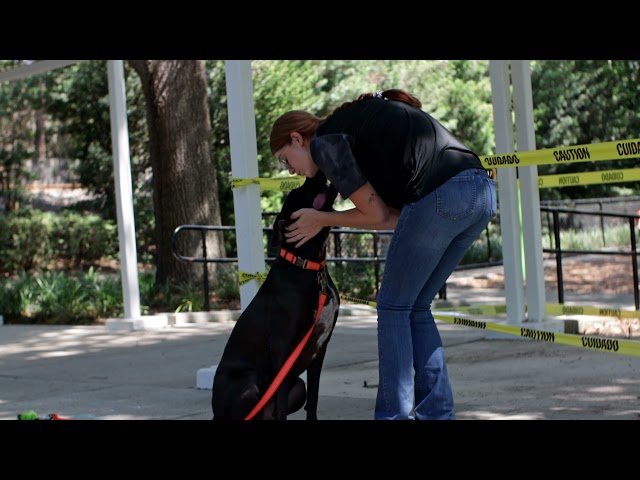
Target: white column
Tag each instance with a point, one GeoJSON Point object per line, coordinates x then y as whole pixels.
{"type": "Point", "coordinates": [124, 196]}
{"type": "Point", "coordinates": [244, 164]}
{"type": "Point", "coordinates": [529, 193]}
{"type": "Point", "coordinates": [507, 192]}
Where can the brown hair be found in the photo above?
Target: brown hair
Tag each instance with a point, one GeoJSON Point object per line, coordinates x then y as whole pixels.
{"type": "Point", "coordinates": [306, 123]}
{"type": "Point", "coordinates": [392, 94]}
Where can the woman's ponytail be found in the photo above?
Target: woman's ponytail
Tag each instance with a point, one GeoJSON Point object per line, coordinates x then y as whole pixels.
{"type": "Point", "coordinates": [391, 94]}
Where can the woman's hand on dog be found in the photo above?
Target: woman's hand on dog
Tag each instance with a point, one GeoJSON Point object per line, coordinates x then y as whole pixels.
{"type": "Point", "coordinates": [308, 222]}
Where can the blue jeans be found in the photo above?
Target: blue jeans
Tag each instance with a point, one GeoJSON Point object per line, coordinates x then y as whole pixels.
{"type": "Point", "coordinates": [430, 239]}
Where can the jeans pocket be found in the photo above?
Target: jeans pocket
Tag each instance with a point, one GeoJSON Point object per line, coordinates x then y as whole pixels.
{"type": "Point", "coordinates": [456, 198]}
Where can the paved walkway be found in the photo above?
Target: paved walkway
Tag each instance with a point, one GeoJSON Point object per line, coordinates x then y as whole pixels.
{"type": "Point", "coordinates": [90, 372]}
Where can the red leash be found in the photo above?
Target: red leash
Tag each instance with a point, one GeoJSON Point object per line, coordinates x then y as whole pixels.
{"type": "Point", "coordinates": [277, 381]}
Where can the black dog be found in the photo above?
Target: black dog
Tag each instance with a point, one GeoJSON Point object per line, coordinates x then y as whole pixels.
{"type": "Point", "coordinates": [277, 319]}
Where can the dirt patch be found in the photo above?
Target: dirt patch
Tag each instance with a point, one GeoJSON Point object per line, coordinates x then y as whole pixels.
{"type": "Point", "coordinates": [611, 275]}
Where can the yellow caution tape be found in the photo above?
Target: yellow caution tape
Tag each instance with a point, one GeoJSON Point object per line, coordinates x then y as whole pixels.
{"type": "Point", "coordinates": [239, 182]}
{"type": "Point", "coordinates": [358, 300]}
{"type": "Point", "coordinates": [617, 150]}
{"type": "Point", "coordinates": [279, 184]}
{"type": "Point", "coordinates": [589, 178]}
{"type": "Point", "coordinates": [551, 309]}
{"type": "Point", "coordinates": [611, 345]}
{"type": "Point", "coordinates": [560, 309]}
{"type": "Point", "coordinates": [625, 347]}
{"type": "Point", "coordinates": [480, 310]}
{"type": "Point", "coordinates": [578, 153]}
{"type": "Point", "coordinates": [244, 277]}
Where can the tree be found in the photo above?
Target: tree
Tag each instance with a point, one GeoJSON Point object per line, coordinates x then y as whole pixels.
{"type": "Point", "coordinates": [580, 102]}
{"type": "Point", "coordinates": [23, 106]}
{"type": "Point", "coordinates": [184, 175]}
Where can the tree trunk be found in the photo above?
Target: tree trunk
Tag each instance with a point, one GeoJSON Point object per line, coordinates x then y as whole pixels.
{"type": "Point", "coordinates": [40, 140]}
{"type": "Point", "coordinates": [185, 190]}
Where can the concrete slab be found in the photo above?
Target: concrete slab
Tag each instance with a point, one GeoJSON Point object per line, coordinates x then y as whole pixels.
{"type": "Point", "coordinates": [150, 375]}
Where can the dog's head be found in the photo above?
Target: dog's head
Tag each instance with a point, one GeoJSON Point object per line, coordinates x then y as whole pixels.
{"type": "Point", "coordinates": [313, 193]}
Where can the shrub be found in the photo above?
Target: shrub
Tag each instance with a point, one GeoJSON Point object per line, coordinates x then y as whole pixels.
{"type": "Point", "coordinates": [84, 238]}
{"type": "Point", "coordinates": [25, 240]}
{"type": "Point", "coordinates": [31, 239]}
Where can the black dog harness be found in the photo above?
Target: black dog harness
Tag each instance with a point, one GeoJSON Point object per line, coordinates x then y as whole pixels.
{"type": "Point", "coordinates": [320, 267]}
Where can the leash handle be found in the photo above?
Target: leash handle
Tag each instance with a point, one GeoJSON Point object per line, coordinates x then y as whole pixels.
{"type": "Point", "coordinates": [288, 364]}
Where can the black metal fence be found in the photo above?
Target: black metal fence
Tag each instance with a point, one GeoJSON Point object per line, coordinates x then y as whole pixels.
{"type": "Point", "coordinates": [558, 219]}
{"type": "Point", "coordinates": [359, 255]}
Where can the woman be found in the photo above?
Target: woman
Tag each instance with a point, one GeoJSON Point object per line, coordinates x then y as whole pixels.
{"type": "Point", "coordinates": [403, 171]}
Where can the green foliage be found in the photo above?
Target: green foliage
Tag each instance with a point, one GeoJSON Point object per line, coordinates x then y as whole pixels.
{"type": "Point", "coordinates": [487, 248]}
{"type": "Point", "coordinates": [227, 288]}
{"type": "Point", "coordinates": [16, 296]}
{"type": "Point", "coordinates": [76, 101]}
{"type": "Point", "coordinates": [26, 240]}
{"type": "Point", "coordinates": [220, 148]}
{"type": "Point", "coordinates": [580, 102]}
{"type": "Point", "coordinates": [20, 102]}
{"type": "Point", "coordinates": [70, 298]}
{"type": "Point", "coordinates": [319, 86]}
{"type": "Point", "coordinates": [468, 104]}
{"type": "Point", "coordinates": [279, 86]}
{"type": "Point", "coordinates": [575, 102]}
{"type": "Point", "coordinates": [593, 237]}
{"type": "Point", "coordinates": [104, 293]}
{"type": "Point", "coordinates": [81, 107]}
{"type": "Point", "coordinates": [13, 173]}
{"type": "Point", "coordinates": [59, 299]}
{"type": "Point", "coordinates": [31, 238]}
{"type": "Point", "coordinates": [353, 277]}
{"type": "Point", "coordinates": [55, 297]}
{"type": "Point", "coordinates": [190, 297]}
{"type": "Point", "coordinates": [85, 238]}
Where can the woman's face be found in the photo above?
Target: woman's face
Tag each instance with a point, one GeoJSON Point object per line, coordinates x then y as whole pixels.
{"type": "Point", "coordinates": [296, 157]}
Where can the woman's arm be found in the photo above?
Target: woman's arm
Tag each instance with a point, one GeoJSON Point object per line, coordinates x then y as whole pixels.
{"type": "Point", "coordinates": [370, 213]}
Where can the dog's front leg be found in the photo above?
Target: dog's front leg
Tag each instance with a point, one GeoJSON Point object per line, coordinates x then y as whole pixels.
{"type": "Point", "coordinates": [313, 387]}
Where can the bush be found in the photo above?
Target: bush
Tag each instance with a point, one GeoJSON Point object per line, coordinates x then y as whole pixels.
{"type": "Point", "coordinates": [55, 297]}
{"type": "Point", "coordinates": [84, 238]}
{"type": "Point", "coordinates": [85, 298]}
{"type": "Point", "coordinates": [16, 296]}
{"type": "Point", "coordinates": [31, 239]}
{"type": "Point", "coordinates": [33, 242]}
{"type": "Point", "coordinates": [25, 240]}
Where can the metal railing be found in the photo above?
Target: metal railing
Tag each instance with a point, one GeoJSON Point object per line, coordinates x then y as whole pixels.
{"type": "Point", "coordinates": [376, 259]}
{"type": "Point", "coordinates": [379, 253]}
{"type": "Point", "coordinates": [559, 252]}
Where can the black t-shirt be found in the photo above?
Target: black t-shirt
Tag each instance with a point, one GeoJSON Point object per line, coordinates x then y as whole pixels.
{"type": "Point", "coordinates": [402, 151]}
